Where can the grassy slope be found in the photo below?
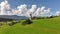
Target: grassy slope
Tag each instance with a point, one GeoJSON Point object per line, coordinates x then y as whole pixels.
{"type": "Point", "coordinates": [41, 26]}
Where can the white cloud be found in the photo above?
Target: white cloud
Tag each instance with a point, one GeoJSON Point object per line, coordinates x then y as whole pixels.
{"type": "Point", "coordinates": [41, 11]}
{"type": "Point", "coordinates": [57, 13]}
{"type": "Point", "coordinates": [31, 11]}
{"type": "Point", "coordinates": [42, 8]}
{"type": "Point", "coordinates": [22, 10]}
{"type": "Point", "coordinates": [4, 7]}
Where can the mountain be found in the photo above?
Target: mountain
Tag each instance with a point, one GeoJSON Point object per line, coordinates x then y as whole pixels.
{"type": "Point", "coordinates": [13, 17]}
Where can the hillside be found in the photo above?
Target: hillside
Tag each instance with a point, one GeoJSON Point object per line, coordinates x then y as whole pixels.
{"type": "Point", "coordinates": [40, 26]}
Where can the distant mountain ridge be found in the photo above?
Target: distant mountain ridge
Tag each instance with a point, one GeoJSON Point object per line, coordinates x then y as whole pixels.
{"type": "Point", "coordinates": [13, 17]}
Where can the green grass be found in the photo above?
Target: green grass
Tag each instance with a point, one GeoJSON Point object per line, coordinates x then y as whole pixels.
{"type": "Point", "coordinates": [40, 26]}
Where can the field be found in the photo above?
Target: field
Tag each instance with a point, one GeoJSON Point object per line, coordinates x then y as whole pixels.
{"type": "Point", "coordinates": [40, 26]}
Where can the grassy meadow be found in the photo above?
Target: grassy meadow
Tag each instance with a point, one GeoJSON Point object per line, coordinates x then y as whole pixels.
{"type": "Point", "coordinates": [39, 26]}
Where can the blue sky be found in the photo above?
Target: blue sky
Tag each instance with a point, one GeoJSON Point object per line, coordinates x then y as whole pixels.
{"type": "Point", "coordinates": [54, 4]}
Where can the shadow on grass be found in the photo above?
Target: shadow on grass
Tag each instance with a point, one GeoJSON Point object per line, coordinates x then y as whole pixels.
{"type": "Point", "coordinates": [27, 22]}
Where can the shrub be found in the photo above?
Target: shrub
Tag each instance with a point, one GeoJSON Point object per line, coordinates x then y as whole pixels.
{"type": "Point", "coordinates": [1, 24]}
{"type": "Point", "coordinates": [12, 23]}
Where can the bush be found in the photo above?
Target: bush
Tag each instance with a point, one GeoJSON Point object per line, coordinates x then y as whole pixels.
{"type": "Point", "coordinates": [12, 23]}
{"type": "Point", "coordinates": [1, 24]}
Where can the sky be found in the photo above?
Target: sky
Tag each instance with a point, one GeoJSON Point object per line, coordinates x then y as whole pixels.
{"type": "Point", "coordinates": [53, 4]}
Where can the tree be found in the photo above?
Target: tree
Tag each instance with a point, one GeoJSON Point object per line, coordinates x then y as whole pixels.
{"type": "Point", "coordinates": [30, 16]}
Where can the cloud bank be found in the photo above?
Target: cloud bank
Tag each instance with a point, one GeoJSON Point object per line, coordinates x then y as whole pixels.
{"type": "Point", "coordinates": [57, 13]}
{"type": "Point", "coordinates": [22, 10]}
